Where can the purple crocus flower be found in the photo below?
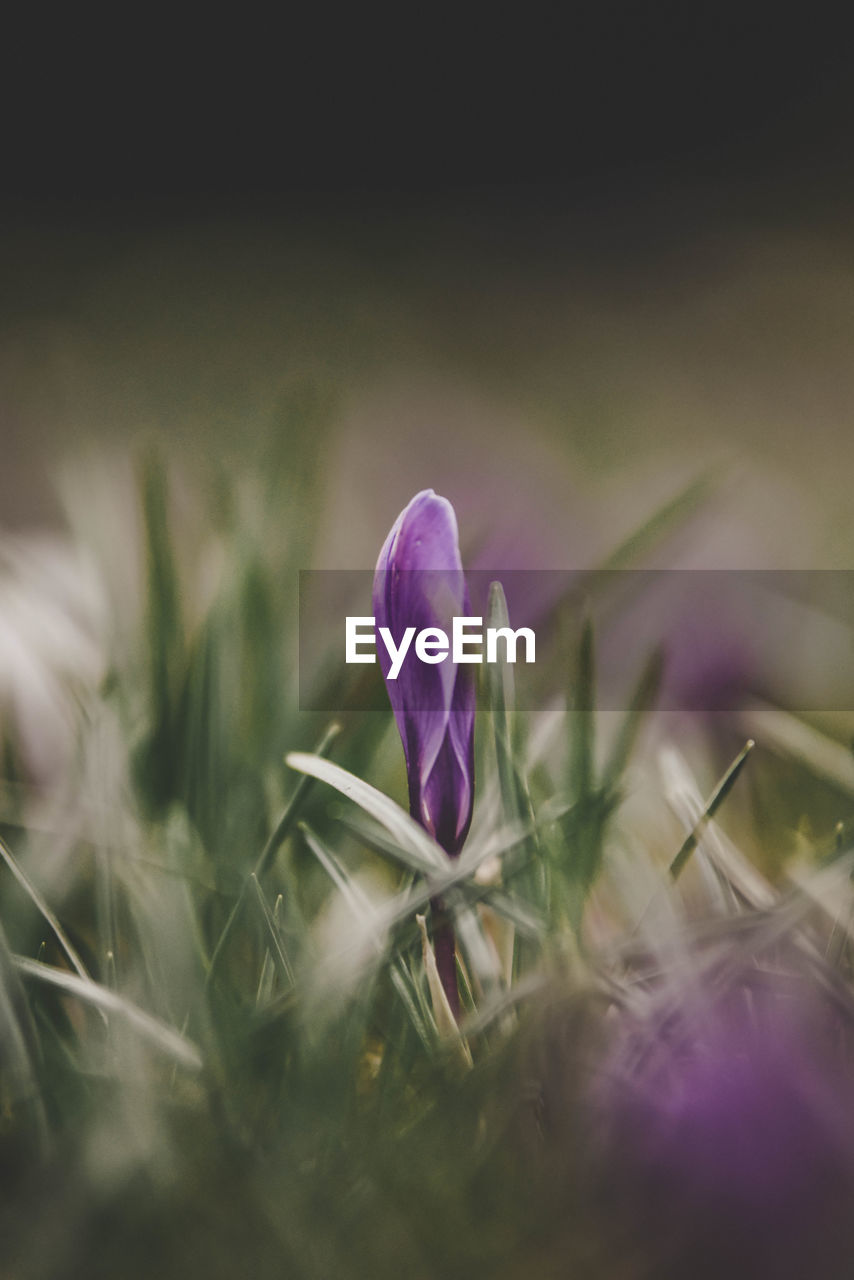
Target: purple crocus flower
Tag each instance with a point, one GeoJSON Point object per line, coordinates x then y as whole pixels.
{"type": "Point", "coordinates": [419, 583]}
{"type": "Point", "coordinates": [729, 1131]}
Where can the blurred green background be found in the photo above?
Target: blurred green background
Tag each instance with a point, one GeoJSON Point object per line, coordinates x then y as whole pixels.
{"type": "Point", "coordinates": [574, 370]}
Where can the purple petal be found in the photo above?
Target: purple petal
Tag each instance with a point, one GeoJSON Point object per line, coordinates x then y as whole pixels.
{"type": "Point", "coordinates": [731, 1122]}
{"type": "Point", "coordinates": [419, 583]}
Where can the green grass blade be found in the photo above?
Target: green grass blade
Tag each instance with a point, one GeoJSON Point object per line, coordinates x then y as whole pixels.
{"type": "Point", "coordinates": [670, 515]}
{"type": "Point", "coordinates": [642, 701]}
{"type": "Point", "coordinates": [665, 519]}
{"type": "Point", "coordinates": [268, 853]}
{"type": "Point", "coordinates": [715, 801]}
{"type": "Point", "coordinates": [402, 983]}
{"type": "Point", "coordinates": [285, 824]}
{"type": "Point", "coordinates": [515, 798]}
{"type": "Point", "coordinates": [276, 947]}
{"type": "Point", "coordinates": [19, 1084]}
{"type": "Point", "coordinates": [159, 762]}
{"type": "Point", "coordinates": [414, 844]}
{"type": "Point", "coordinates": [161, 1036]}
{"type": "Point", "coordinates": [33, 894]}
{"type": "Point", "coordinates": [268, 966]}
{"type": "Point", "coordinates": [528, 922]}
{"type": "Point", "coordinates": [353, 894]}
{"type": "Point", "coordinates": [582, 743]}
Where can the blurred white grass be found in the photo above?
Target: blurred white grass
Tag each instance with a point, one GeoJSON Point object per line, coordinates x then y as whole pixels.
{"type": "Point", "coordinates": [52, 621]}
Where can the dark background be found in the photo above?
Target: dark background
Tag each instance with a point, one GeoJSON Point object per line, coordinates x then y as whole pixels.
{"type": "Point", "coordinates": [579, 106]}
{"type": "Point", "coordinates": [605, 241]}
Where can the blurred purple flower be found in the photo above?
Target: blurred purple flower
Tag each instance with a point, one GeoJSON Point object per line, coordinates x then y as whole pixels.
{"type": "Point", "coordinates": [728, 1128]}
{"type": "Point", "coordinates": [419, 583]}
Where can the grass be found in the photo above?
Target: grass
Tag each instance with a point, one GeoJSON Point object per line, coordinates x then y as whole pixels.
{"type": "Point", "coordinates": [224, 1050]}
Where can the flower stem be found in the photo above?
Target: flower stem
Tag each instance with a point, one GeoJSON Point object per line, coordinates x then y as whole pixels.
{"type": "Point", "coordinates": [444, 945]}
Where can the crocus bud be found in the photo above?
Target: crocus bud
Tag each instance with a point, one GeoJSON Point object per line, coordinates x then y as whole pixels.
{"type": "Point", "coordinates": [419, 583]}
